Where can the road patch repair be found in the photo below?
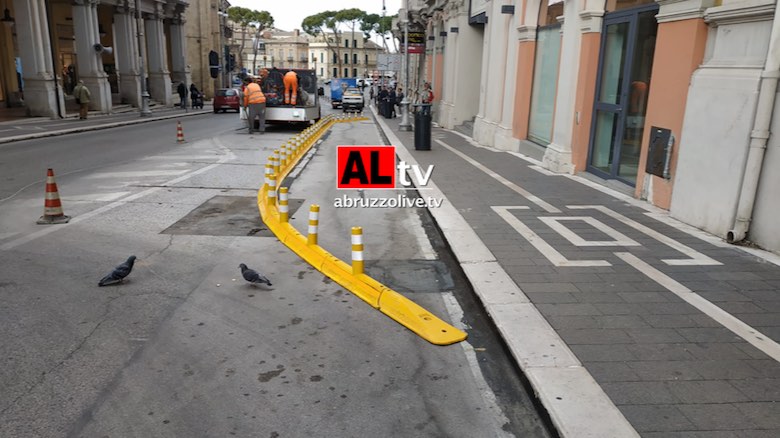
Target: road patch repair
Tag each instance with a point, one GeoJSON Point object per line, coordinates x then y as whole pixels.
{"type": "Point", "coordinates": [275, 215]}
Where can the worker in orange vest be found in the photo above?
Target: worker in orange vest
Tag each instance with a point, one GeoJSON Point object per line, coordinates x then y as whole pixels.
{"type": "Point", "coordinates": [254, 100]}
{"type": "Point", "coordinates": [290, 81]}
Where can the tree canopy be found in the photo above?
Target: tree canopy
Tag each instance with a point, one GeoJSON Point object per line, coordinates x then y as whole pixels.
{"type": "Point", "coordinates": [246, 17]}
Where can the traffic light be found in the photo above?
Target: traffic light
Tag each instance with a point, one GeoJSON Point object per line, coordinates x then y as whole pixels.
{"type": "Point", "coordinates": [213, 64]}
{"type": "Point", "coordinates": [232, 62]}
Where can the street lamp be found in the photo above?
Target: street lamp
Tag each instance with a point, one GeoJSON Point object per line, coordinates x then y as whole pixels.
{"type": "Point", "coordinates": [139, 24]}
{"type": "Point", "coordinates": [405, 124]}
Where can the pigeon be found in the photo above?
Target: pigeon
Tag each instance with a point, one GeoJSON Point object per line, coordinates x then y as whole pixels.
{"type": "Point", "coordinates": [253, 276]}
{"type": "Point", "coordinates": [119, 273]}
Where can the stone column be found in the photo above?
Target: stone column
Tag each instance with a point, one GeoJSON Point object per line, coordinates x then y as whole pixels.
{"type": "Point", "coordinates": [32, 33]}
{"type": "Point", "coordinates": [180, 70]}
{"type": "Point", "coordinates": [463, 72]}
{"type": "Point", "coordinates": [159, 77]}
{"type": "Point", "coordinates": [557, 156]}
{"type": "Point", "coordinates": [494, 69]}
{"type": "Point", "coordinates": [449, 49]}
{"type": "Point", "coordinates": [504, 138]}
{"type": "Point", "coordinates": [90, 62]}
{"type": "Point", "coordinates": [126, 53]}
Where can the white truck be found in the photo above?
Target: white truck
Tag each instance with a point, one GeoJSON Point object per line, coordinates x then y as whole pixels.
{"type": "Point", "coordinates": [307, 108]}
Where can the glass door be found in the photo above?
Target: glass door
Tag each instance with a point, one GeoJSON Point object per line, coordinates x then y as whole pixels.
{"type": "Point", "coordinates": [625, 65]}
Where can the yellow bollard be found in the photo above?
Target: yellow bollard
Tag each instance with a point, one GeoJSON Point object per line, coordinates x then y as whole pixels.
{"type": "Point", "coordinates": [357, 250]}
{"type": "Point", "coordinates": [283, 155]}
{"type": "Point", "coordinates": [284, 209]}
{"type": "Point", "coordinates": [314, 221]}
{"type": "Point", "coordinates": [276, 161]}
{"type": "Point", "coordinates": [272, 191]}
{"type": "Point", "coordinates": [269, 169]}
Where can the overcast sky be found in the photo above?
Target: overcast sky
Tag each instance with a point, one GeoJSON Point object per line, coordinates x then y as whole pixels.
{"type": "Point", "coordinates": [288, 14]}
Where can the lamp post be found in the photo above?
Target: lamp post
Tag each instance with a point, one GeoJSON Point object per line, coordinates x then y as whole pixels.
{"type": "Point", "coordinates": [405, 124]}
{"type": "Point", "coordinates": [139, 24]}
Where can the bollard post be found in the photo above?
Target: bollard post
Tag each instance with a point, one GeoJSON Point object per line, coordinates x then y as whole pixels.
{"type": "Point", "coordinates": [269, 169]}
{"type": "Point", "coordinates": [276, 161]}
{"type": "Point", "coordinates": [314, 221]}
{"type": "Point", "coordinates": [284, 209]}
{"type": "Point", "coordinates": [272, 191]}
{"type": "Point", "coordinates": [357, 250]}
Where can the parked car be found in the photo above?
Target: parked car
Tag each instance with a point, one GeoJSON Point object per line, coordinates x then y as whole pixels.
{"type": "Point", "coordinates": [225, 99]}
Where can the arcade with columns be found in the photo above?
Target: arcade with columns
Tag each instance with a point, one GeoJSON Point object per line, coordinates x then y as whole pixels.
{"type": "Point", "coordinates": [47, 46]}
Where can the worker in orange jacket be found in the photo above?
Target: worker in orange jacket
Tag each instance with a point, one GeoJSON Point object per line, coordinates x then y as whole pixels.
{"type": "Point", "coordinates": [290, 82]}
{"type": "Point", "coordinates": [254, 100]}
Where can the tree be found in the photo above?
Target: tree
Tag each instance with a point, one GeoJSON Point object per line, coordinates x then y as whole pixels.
{"type": "Point", "coordinates": [246, 18]}
{"type": "Point", "coordinates": [316, 25]}
{"type": "Point", "coordinates": [353, 18]}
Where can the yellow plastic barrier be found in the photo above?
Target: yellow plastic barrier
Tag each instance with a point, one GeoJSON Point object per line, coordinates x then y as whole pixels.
{"type": "Point", "coordinates": [391, 303]}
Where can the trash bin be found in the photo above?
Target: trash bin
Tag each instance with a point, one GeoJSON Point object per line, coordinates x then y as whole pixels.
{"type": "Point", "coordinates": [422, 127]}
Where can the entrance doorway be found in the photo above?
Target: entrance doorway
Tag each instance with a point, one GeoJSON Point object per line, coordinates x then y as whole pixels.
{"type": "Point", "coordinates": [625, 66]}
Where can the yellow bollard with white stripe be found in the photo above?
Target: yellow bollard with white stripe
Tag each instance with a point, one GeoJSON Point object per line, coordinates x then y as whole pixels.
{"type": "Point", "coordinates": [275, 157]}
{"type": "Point", "coordinates": [272, 190]}
{"type": "Point", "coordinates": [269, 169]}
{"type": "Point", "coordinates": [357, 250]}
{"type": "Point", "coordinates": [314, 221]}
{"type": "Point", "coordinates": [284, 209]}
{"type": "Point", "coordinates": [283, 156]}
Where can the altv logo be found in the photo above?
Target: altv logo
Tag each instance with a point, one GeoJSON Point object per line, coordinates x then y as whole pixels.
{"type": "Point", "coordinates": [374, 167]}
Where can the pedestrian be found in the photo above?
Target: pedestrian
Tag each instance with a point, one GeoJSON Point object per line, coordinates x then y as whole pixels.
{"type": "Point", "coordinates": [182, 90]}
{"type": "Point", "coordinates": [427, 94]}
{"type": "Point", "coordinates": [371, 94]}
{"type": "Point", "coordinates": [82, 95]}
{"type": "Point", "coordinates": [254, 100]}
{"type": "Point", "coordinates": [391, 99]}
{"type": "Point", "coordinates": [399, 98]}
{"type": "Point", "coordinates": [382, 101]}
{"type": "Point", "coordinates": [195, 95]}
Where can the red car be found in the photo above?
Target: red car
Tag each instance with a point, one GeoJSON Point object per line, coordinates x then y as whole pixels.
{"type": "Point", "coordinates": [225, 99]}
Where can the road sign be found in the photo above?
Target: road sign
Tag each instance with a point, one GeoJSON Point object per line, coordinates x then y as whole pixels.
{"type": "Point", "coordinates": [388, 62]}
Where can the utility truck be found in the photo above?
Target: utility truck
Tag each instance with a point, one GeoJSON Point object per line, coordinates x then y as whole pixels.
{"type": "Point", "coordinates": [307, 107]}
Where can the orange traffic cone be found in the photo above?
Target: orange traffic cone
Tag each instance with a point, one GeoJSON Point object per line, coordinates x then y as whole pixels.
{"type": "Point", "coordinates": [179, 133]}
{"type": "Point", "coordinates": [52, 208]}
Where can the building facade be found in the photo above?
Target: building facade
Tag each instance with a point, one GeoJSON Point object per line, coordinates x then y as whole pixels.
{"type": "Point", "coordinates": [673, 99]}
{"type": "Point", "coordinates": [49, 45]}
{"type": "Point", "coordinates": [205, 31]}
{"type": "Point", "coordinates": [358, 56]}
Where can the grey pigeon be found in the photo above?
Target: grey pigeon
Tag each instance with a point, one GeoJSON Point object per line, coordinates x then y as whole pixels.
{"type": "Point", "coordinates": [119, 273]}
{"type": "Point", "coordinates": [253, 276]}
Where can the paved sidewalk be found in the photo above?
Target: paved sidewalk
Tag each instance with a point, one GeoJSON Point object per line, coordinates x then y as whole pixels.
{"type": "Point", "coordinates": [38, 127]}
{"type": "Point", "coordinates": [678, 329]}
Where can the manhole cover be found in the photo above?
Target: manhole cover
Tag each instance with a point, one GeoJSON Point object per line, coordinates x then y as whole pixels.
{"type": "Point", "coordinates": [226, 216]}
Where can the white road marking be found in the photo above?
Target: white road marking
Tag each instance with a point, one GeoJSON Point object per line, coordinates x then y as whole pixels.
{"type": "Point", "coordinates": [48, 230]}
{"type": "Point", "coordinates": [4, 236]}
{"type": "Point", "coordinates": [619, 239]}
{"type": "Point", "coordinates": [96, 197]}
{"type": "Point", "coordinates": [138, 174]}
{"type": "Point", "coordinates": [543, 247]}
{"type": "Point", "coordinates": [488, 396]}
{"type": "Point", "coordinates": [521, 191]}
{"type": "Point", "coordinates": [696, 258]}
{"type": "Point", "coordinates": [739, 328]}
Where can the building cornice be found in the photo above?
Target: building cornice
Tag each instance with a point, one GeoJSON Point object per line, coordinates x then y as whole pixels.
{"type": "Point", "coordinates": [749, 11]}
{"type": "Point", "coordinates": [677, 10]}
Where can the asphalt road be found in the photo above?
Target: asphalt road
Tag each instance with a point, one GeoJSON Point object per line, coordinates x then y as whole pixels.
{"type": "Point", "coordinates": [184, 347]}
